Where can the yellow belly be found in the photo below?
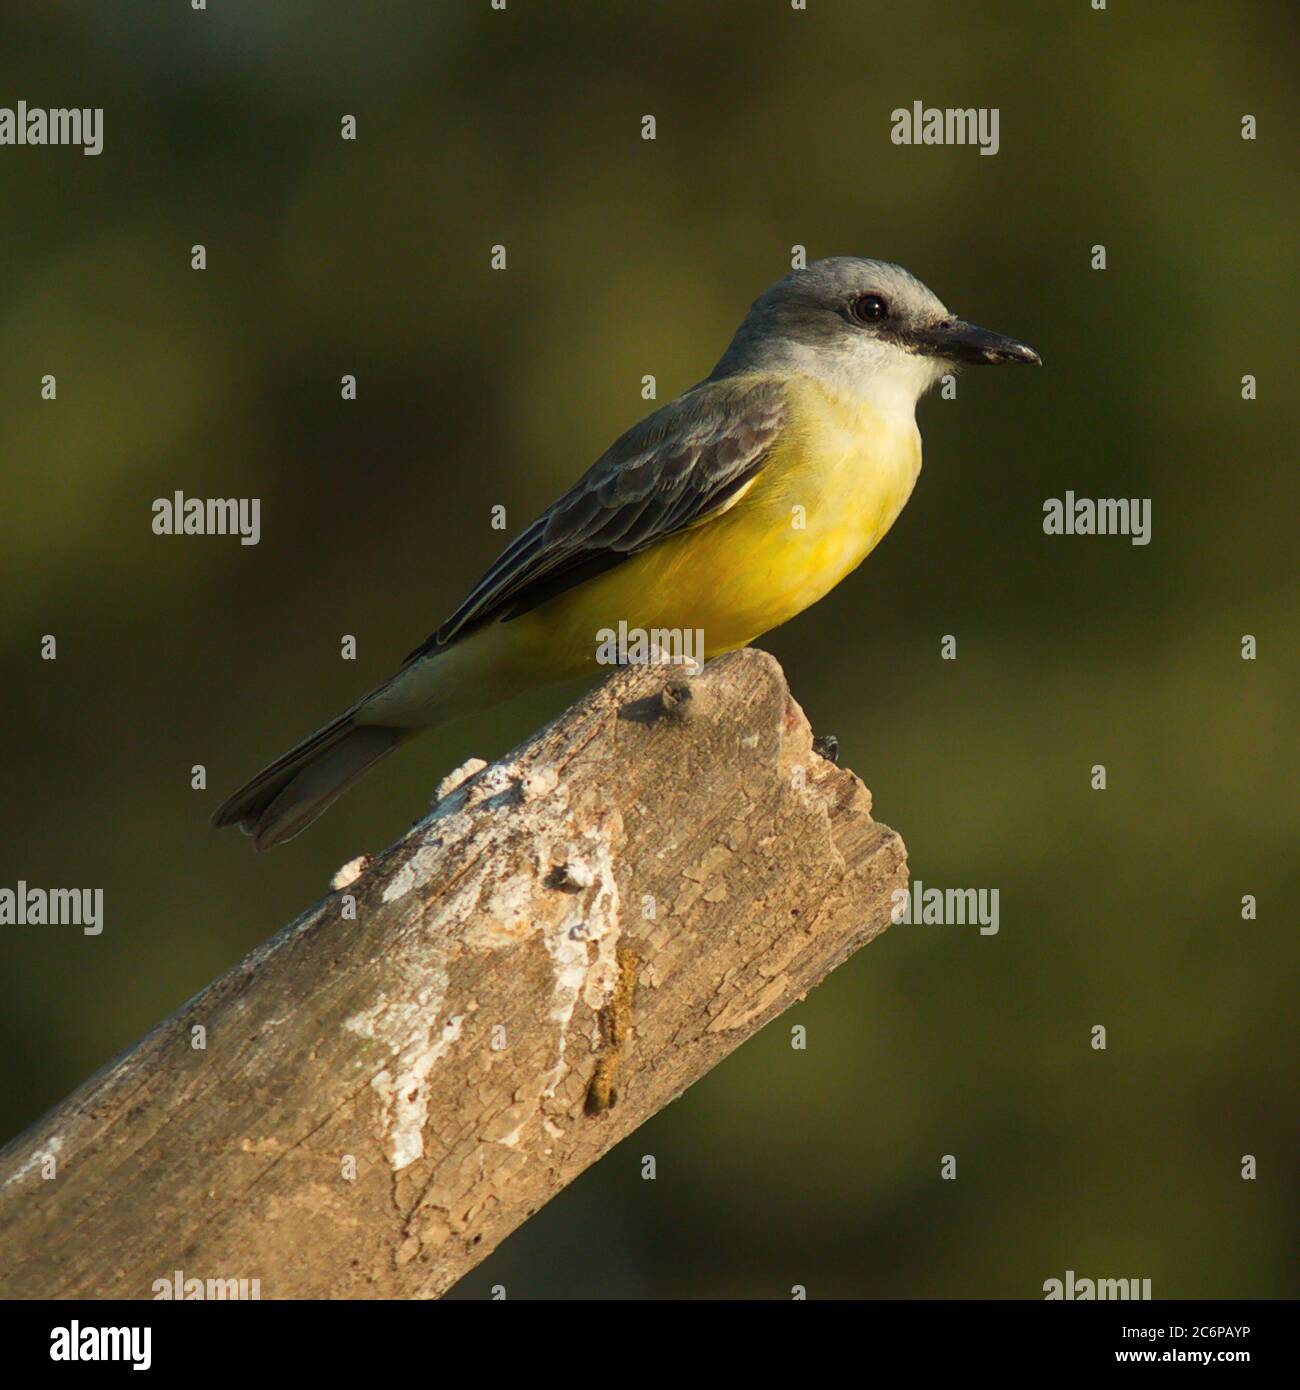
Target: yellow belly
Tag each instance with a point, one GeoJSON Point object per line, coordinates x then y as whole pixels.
{"type": "Point", "coordinates": [835, 483]}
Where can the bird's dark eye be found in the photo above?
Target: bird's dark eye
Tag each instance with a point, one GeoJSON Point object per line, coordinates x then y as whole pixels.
{"type": "Point", "coordinates": [869, 308]}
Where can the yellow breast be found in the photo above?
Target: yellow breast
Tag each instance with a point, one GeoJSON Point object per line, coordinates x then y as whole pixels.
{"type": "Point", "coordinates": [833, 485]}
{"type": "Point", "coordinates": [857, 466]}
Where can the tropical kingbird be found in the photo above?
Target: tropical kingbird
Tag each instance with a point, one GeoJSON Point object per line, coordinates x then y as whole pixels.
{"type": "Point", "coordinates": [729, 510]}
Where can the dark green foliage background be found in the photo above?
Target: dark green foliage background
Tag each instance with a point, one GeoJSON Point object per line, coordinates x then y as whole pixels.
{"type": "Point", "coordinates": [1121, 908]}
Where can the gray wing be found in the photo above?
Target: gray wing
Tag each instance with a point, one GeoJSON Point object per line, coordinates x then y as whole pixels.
{"type": "Point", "coordinates": [665, 474]}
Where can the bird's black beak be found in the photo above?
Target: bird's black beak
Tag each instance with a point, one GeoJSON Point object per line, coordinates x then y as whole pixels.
{"type": "Point", "coordinates": [959, 341]}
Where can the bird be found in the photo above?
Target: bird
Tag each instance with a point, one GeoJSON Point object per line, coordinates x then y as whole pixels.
{"type": "Point", "coordinates": [726, 511]}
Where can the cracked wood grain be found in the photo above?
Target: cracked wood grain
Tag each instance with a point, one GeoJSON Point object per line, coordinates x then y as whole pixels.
{"type": "Point", "coordinates": [401, 1077]}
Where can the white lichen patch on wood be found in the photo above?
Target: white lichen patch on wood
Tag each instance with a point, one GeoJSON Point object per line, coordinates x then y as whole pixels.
{"type": "Point", "coordinates": [489, 854]}
{"type": "Point", "coordinates": [346, 876]}
{"type": "Point", "coordinates": [540, 781]}
{"type": "Point", "coordinates": [410, 1101]}
{"type": "Point", "coordinates": [409, 1029]}
{"type": "Point", "coordinates": [457, 778]}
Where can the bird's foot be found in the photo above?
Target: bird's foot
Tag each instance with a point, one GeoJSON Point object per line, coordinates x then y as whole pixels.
{"type": "Point", "coordinates": [827, 746]}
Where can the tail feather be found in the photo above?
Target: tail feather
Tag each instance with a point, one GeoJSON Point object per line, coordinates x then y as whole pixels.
{"type": "Point", "coordinates": [287, 796]}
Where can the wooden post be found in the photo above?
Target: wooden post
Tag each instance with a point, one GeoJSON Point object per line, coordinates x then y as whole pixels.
{"type": "Point", "coordinates": [372, 1101]}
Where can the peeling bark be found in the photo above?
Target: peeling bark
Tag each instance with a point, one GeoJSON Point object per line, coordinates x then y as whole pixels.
{"type": "Point", "coordinates": [572, 937]}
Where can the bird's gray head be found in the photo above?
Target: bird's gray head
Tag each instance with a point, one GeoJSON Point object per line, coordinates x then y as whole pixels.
{"type": "Point", "coordinates": [868, 327]}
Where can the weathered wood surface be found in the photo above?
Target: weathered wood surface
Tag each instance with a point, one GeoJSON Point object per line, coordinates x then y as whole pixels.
{"type": "Point", "coordinates": [382, 1099]}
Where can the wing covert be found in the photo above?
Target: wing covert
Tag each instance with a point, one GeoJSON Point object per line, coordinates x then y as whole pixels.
{"type": "Point", "coordinates": [668, 472]}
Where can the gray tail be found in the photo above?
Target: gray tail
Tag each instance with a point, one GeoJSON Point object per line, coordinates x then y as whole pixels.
{"type": "Point", "coordinates": [286, 797]}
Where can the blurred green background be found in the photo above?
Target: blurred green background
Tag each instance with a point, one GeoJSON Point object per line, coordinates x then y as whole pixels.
{"type": "Point", "coordinates": [479, 388]}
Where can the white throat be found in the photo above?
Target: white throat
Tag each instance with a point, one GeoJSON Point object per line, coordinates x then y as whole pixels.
{"type": "Point", "coordinates": [881, 375]}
